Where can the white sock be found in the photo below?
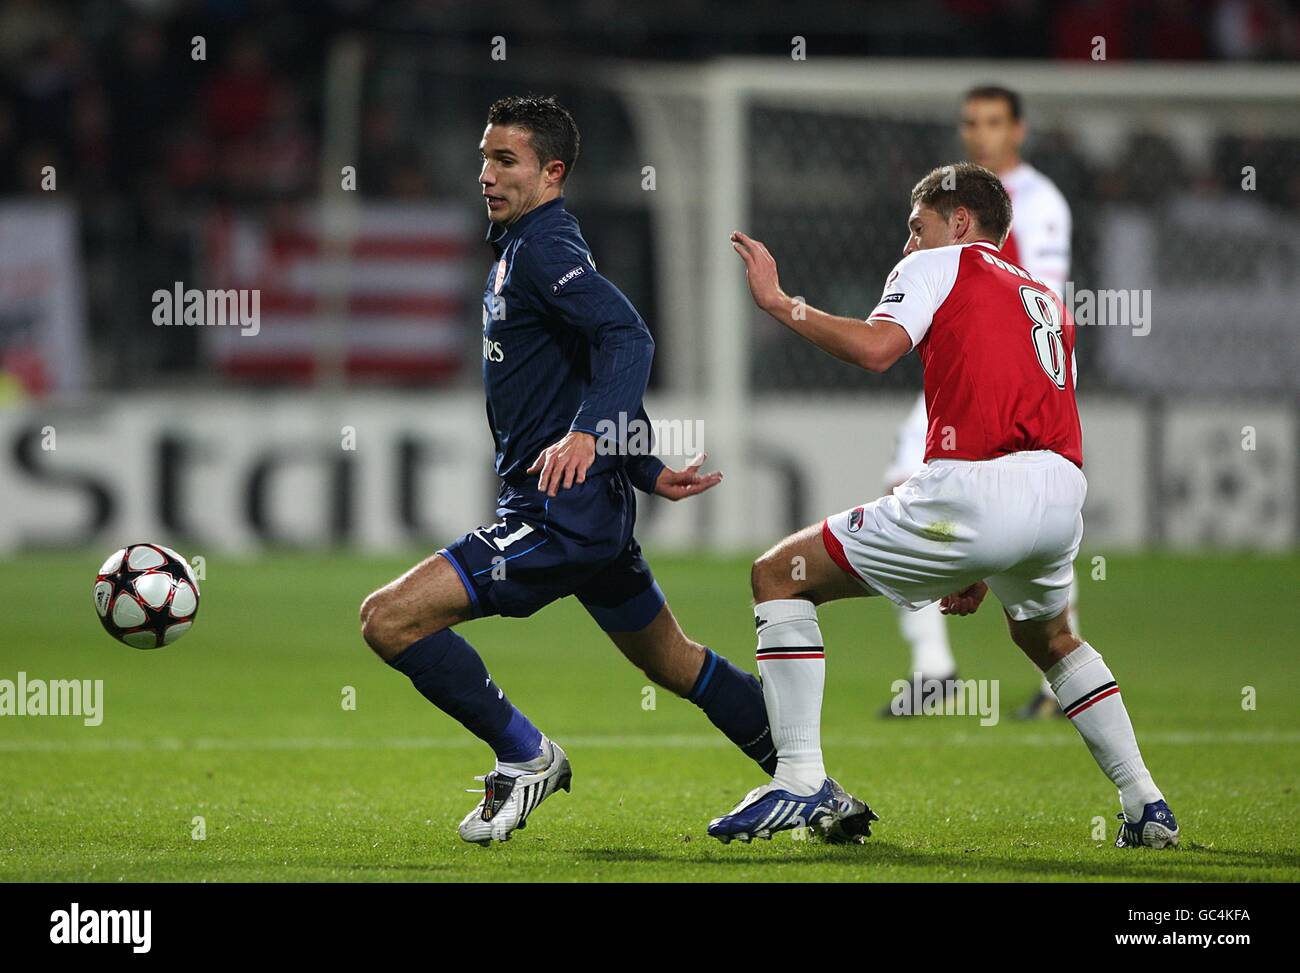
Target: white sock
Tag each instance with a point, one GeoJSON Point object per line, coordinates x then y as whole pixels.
{"type": "Point", "coordinates": [792, 664]}
{"type": "Point", "coordinates": [1090, 697]}
{"type": "Point", "coordinates": [926, 632]}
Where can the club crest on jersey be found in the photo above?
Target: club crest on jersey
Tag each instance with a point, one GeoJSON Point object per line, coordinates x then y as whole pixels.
{"type": "Point", "coordinates": [855, 519]}
{"type": "Point", "coordinates": [501, 277]}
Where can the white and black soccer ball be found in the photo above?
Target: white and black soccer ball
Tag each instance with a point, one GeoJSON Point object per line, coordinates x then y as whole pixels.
{"type": "Point", "coordinates": [146, 596]}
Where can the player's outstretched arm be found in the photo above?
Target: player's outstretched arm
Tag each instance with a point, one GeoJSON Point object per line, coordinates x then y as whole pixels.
{"type": "Point", "coordinates": [873, 345]}
{"type": "Point", "coordinates": [679, 484]}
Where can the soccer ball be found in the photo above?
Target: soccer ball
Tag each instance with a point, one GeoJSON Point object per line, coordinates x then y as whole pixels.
{"type": "Point", "coordinates": [146, 596]}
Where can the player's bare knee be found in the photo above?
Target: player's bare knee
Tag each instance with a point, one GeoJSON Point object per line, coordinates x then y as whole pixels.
{"type": "Point", "coordinates": [383, 625]}
{"type": "Point", "coordinates": [760, 578]}
{"type": "Point", "coordinates": [771, 578]}
{"type": "Point", "coordinates": [366, 610]}
{"type": "Point", "coordinates": [372, 620]}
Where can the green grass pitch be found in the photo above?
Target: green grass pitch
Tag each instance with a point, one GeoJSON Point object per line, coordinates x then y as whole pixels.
{"type": "Point", "coordinates": [241, 723]}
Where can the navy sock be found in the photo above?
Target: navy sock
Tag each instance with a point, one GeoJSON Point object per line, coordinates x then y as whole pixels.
{"type": "Point", "coordinates": [732, 699]}
{"type": "Point", "coordinates": [449, 673]}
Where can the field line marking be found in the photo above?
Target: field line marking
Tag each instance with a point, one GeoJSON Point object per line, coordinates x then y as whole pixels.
{"type": "Point", "coordinates": [612, 741]}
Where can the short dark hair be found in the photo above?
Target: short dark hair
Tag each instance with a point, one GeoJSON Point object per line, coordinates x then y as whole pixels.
{"type": "Point", "coordinates": [974, 187]}
{"type": "Point", "coordinates": [1012, 98]}
{"type": "Point", "coordinates": [552, 132]}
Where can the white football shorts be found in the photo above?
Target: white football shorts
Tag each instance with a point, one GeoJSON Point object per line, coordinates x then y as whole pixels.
{"type": "Point", "coordinates": [1015, 522]}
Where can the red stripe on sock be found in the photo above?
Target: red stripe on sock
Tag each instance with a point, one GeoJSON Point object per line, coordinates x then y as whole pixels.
{"type": "Point", "coordinates": [1092, 702]}
{"type": "Point", "coordinates": [793, 655]}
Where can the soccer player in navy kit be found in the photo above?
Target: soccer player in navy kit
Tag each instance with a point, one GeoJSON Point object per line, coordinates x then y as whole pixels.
{"type": "Point", "coordinates": [565, 354]}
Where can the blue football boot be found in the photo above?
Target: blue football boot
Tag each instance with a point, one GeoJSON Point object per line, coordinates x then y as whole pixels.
{"type": "Point", "coordinates": [831, 812]}
{"type": "Point", "coordinates": [1156, 829]}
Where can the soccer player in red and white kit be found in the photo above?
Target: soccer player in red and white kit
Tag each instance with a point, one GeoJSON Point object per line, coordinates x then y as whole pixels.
{"type": "Point", "coordinates": [997, 506]}
{"type": "Point", "coordinates": [992, 130]}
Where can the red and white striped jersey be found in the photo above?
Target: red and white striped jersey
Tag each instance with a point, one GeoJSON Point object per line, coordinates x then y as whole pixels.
{"type": "Point", "coordinates": [997, 351]}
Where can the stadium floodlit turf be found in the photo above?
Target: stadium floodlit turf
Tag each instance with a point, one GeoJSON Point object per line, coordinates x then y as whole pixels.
{"type": "Point", "coordinates": [241, 723]}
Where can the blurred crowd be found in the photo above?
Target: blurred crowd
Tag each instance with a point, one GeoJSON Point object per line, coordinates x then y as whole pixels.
{"type": "Point", "coordinates": [131, 111]}
{"type": "Point", "coordinates": [1146, 30]}
{"type": "Point", "coordinates": [110, 93]}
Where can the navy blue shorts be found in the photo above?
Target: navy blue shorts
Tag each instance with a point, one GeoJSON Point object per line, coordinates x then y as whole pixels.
{"type": "Point", "coordinates": [542, 548]}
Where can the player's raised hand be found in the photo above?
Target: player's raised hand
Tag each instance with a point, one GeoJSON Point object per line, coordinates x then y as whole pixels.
{"type": "Point", "coordinates": [964, 602]}
{"type": "Point", "coordinates": [677, 484]}
{"type": "Point", "coordinates": [760, 270]}
{"type": "Point", "coordinates": [565, 463]}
